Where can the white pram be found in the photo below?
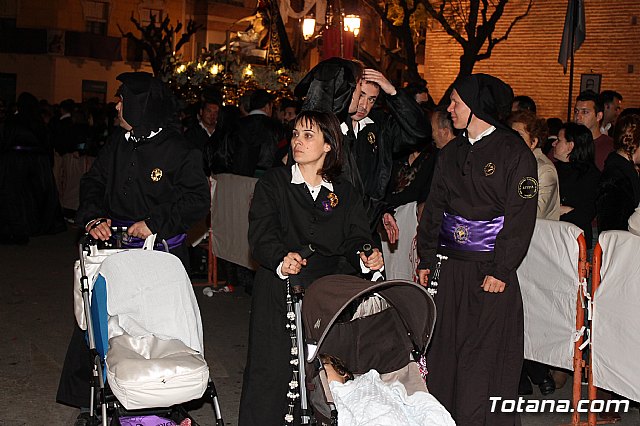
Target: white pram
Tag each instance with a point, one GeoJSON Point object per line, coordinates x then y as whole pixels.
{"type": "Point", "coordinates": [144, 333]}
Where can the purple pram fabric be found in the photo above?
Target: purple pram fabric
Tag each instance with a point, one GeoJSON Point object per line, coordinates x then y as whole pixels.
{"type": "Point", "coordinates": [458, 233]}
{"type": "Point", "coordinates": [146, 421]}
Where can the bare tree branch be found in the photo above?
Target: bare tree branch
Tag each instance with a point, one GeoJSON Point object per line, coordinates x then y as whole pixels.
{"type": "Point", "coordinates": [439, 16]}
{"type": "Point", "coordinates": [492, 42]}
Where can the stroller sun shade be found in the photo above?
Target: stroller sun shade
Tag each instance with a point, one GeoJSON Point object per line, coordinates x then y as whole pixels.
{"type": "Point", "coordinates": [408, 322]}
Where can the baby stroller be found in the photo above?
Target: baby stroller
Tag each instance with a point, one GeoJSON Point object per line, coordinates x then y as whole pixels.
{"type": "Point", "coordinates": [144, 334]}
{"type": "Point", "coordinates": [384, 326]}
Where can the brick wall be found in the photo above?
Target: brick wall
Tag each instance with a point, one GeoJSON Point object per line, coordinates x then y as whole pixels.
{"type": "Point", "coordinates": [528, 60]}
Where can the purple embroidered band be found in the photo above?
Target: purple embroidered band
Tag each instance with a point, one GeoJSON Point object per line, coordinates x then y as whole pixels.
{"type": "Point", "coordinates": [458, 233]}
{"type": "Point", "coordinates": [135, 242]}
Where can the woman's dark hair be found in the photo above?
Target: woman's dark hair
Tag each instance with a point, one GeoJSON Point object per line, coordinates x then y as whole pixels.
{"type": "Point", "coordinates": [583, 147]}
{"type": "Point", "coordinates": [329, 125]}
{"type": "Point", "coordinates": [626, 135]}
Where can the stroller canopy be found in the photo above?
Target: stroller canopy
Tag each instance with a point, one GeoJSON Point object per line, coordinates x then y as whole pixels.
{"type": "Point", "coordinates": [406, 324]}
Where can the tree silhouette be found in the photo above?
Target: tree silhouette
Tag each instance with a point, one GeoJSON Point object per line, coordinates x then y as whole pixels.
{"type": "Point", "coordinates": [402, 18]}
{"type": "Point", "coordinates": [158, 42]}
{"type": "Point", "coordinates": [472, 25]}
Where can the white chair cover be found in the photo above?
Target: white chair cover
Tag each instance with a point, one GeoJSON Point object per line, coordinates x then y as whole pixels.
{"type": "Point", "coordinates": [230, 218]}
{"type": "Point", "coordinates": [401, 259]}
{"type": "Point", "coordinates": [616, 316]}
{"type": "Point", "coordinates": [549, 282]}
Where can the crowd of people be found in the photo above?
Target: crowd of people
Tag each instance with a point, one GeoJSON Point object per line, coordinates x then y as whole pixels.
{"type": "Point", "coordinates": [334, 165]}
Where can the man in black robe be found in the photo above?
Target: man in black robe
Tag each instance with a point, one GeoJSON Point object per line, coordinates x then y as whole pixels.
{"type": "Point", "coordinates": [149, 179]}
{"type": "Point", "coordinates": [475, 231]}
{"type": "Point", "coordinates": [338, 85]}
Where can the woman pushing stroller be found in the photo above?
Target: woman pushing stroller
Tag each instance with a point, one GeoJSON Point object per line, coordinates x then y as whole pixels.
{"type": "Point", "coordinates": [293, 207]}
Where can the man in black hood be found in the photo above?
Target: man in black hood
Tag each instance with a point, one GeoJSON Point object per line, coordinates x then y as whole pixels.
{"type": "Point", "coordinates": [147, 178]}
{"type": "Point", "coordinates": [349, 90]}
{"type": "Point", "coordinates": [475, 231]}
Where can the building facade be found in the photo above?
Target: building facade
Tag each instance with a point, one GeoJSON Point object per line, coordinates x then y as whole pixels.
{"type": "Point", "coordinates": [59, 49]}
{"type": "Point", "coordinates": [528, 60]}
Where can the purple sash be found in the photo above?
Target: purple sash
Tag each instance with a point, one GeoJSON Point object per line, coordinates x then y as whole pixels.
{"type": "Point", "coordinates": [458, 233]}
{"type": "Point", "coordinates": [135, 242]}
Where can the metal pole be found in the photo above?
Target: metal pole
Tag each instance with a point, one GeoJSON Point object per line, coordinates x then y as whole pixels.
{"type": "Point", "coordinates": [574, 23]}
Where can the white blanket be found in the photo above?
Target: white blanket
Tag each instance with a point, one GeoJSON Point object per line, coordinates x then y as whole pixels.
{"type": "Point", "coordinates": [367, 400]}
{"type": "Point", "coordinates": [150, 293]}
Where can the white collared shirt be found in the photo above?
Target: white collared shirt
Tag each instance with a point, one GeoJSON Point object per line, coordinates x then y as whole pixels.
{"type": "Point", "coordinates": [359, 126]}
{"type": "Point", "coordinates": [257, 112]}
{"type": "Point", "coordinates": [152, 134]}
{"type": "Point", "coordinates": [481, 135]}
{"type": "Point", "coordinates": [297, 178]}
{"type": "Point", "coordinates": [205, 127]}
{"type": "Point", "coordinates": [63, 116]}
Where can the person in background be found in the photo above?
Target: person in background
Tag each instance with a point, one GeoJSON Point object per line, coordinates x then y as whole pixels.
{"type": "Point", "coordinates": [200, 133]}
{"type": "Point", "coordinates": [256, 137]}
{"type": "Point", "coordinates": [578, 177]}
{"type": "Point", "coordinates": [589, 112]}
{"type": "Point", "coordinates": [533, 130]}
{"type": "Point", "coordinates": [523, 103]}
{"type": "Point", "coordinates": [554, 125]}
{"type": "Point", "coordinates": [29, 204]}
{"type": "Point", "coordinates": [619, 188]}
{"type": "Point", "coordinates": [612, 102]}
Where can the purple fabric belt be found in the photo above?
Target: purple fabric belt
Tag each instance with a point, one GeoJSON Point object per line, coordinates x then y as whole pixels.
{"type": "Point", "coordinates": [458, 233]}
{"type": "Point", "coordinates": [135, 242]}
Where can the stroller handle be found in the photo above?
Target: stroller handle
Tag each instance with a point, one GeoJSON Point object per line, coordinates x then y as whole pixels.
{"type": "Point", "coordinates": [296, 287]}
{"type": "Point", "coordinates": [117, 231]}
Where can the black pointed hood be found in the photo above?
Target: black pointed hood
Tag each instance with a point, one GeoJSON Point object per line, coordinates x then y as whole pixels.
{"type": "Point", "coordinates": [147, 104]}
{"type": "Point", "coordinates": [329, 87]}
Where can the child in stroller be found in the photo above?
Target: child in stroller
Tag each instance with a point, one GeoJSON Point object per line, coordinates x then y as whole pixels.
{"type": "Point", "coordinates": [373, 332]}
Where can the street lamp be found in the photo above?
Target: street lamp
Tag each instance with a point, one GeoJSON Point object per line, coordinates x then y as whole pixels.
{"type": "Point", "coordinates": [352, 24]}
{"type": "Point", "coordinates": [308, 27]}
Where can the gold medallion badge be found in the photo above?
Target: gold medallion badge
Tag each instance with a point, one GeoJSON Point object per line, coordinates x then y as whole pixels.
{"type": "Point", "coordinates": [156, 174]}
{"type": "Point", "coordinates": [371, 138]}
{"type": "Point", "coordinates": [461, 234]}
{"type": "Point", "coordinates": [333, 199]}
{"type": "Point", "coordinates": [528, 187]}
{"type": "Point", "coordinates": [489, 169]}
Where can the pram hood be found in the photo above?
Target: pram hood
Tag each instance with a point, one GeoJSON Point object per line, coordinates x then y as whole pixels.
{"type": "Point", "coordinates": [374, 341]}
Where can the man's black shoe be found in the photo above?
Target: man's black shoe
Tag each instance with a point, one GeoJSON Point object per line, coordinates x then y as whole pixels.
{"type": "Point", "coordinates": [548, 386]}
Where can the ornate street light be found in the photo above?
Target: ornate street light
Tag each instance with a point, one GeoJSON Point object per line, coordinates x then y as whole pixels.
{"type": "Point", "coordinates": [308, 27]}
{"type": "Point", "coordinates": [352, 24]}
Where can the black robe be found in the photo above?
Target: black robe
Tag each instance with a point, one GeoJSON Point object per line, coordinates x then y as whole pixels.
{"type": "Point", "coordinates": [159, 180]}
{"type": "Point", "coordinates": [369, 157]}
{"type": "Point", "coordinates": [29, 204]}
{"type": "Point", "coordinates": [477, 347]}
{"type": "Point", "coordinates": [618, 193]}
{"type": "Point", "coordinates": [578, 189]}
{"type": "Point", "coordinates": [284, 218]}
{"type": "Point", "coordinates": [255, 142]}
